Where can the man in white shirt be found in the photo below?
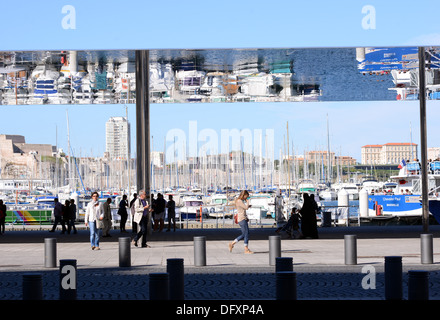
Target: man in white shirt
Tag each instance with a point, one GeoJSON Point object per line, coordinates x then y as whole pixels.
{"type": "Point", "coordinates": [93, 217]}
{"type": "Point", "coordinates": [141, 217]}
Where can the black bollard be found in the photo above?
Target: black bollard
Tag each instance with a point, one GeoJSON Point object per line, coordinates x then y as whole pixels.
{"type": "Point", "coordinates": [68, 279]}
{"type": "Point", "coordinates": [124, 252]}
{"type": "Point", "coordinates": [50, 252]}
{"type": "Point", "coordinates": [393, 278]}
{"type": "Point", "coordinates": [283, 264]}
{"type": "Point", "coordinates": [176, 279]}
{"type": "Point", "coordinates": [32, 286]}
{"type": "Point", "coordinates": [286, 285]}
{"type": "Point", "coordinates": [274, 249]}
{"type": "Point", "coordinates": [159, 286]}
{"type": "Point", "coordinates": [426, 248]}
{"type": "Point", "coordinates": [418, 285]}
{"type": "Point", "coordinates": [200, 251]}
{"type": "Point", "coordinates": [350, 249]}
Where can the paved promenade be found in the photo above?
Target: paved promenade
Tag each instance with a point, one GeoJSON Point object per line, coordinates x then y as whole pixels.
{"type": "Point", "coordinates": [319, 263]}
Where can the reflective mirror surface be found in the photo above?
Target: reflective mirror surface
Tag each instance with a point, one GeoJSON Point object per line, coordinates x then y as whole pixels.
{"type": "Point", "coordinates": [217, 75]}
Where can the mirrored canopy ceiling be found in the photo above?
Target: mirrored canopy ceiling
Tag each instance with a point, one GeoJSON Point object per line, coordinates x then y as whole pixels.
{"type": "Point", "coordinates": [218, 75]}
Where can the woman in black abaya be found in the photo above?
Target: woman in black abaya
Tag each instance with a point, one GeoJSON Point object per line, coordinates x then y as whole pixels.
{"type": "Point", "coordinates": [309, 226]}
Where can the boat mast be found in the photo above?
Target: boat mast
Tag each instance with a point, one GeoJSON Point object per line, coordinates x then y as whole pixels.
{"type": "Point", "coordinates": [328, 157]}
{"type": "Point", "coordinates": [128, 152]}
{"type": "Point", "coordinates": [288, 159]}
{"type": "Point", "coordinates": [68, 146]}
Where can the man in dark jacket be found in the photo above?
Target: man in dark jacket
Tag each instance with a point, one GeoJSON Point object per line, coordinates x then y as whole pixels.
{"type": "Point", "coordinates": [72, 217]}
{"type": "Point", "coordinates": [58, 214]}
{"type": "Point", "coordinates": [159, 212]}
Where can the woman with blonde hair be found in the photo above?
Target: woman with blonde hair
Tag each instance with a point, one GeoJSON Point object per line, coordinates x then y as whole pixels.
{"type": "Point", "coordinates": [242, 204]}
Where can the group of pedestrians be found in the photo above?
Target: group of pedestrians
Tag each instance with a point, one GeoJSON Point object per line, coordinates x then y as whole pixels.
{"type": "Point", "coordinates": [65, 215]}
{"type": "Point", "coordinates": [303, 220]}
{"type": "Point", "coordinates": [152, 211]}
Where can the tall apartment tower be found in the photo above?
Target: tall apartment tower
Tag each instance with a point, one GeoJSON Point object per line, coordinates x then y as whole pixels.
{"type": "Point", "coordinates": [117, 137]}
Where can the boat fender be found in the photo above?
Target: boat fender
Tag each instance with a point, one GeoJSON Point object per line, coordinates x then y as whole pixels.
{"type": "Point", "coordinates": [379, 210]}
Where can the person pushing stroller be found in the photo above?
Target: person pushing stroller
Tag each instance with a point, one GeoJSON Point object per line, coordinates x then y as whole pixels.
{"type": "Point", "coordinates": [292, 224]}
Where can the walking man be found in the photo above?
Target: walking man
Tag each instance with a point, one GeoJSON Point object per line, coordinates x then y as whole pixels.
{"type": "Point", "coordinates": [58, 214]}
{"type": "Point", "coordinates": [141, 217]}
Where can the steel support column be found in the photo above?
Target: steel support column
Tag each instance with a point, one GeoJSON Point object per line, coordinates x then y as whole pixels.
{"type": "Point", "coordinates": [142, 121]}
{"type": "Point", "coordinates": [423, 142]}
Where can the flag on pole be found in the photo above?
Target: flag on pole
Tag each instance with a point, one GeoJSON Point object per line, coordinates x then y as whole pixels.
{"type": "Point", "coordinates": [402, 164]}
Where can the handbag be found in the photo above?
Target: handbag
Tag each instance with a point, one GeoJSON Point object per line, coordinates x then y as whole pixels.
{"type": "Point", "coordinates": [236, 218]}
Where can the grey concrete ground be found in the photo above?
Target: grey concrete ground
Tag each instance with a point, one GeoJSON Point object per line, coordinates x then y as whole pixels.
{"type": "Point", "coordinates": [319, 263]}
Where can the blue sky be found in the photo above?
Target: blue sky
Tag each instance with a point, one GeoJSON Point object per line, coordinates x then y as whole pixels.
{"type": "Point", "coordinates": [226, 24]}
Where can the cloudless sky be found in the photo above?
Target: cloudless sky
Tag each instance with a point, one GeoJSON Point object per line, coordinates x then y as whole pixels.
{"type": "Point", "coordinates": [198, 24]}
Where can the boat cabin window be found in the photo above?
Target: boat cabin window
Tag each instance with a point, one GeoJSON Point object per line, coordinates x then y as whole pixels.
{"type": "Point", "coordinates": [193, 203]}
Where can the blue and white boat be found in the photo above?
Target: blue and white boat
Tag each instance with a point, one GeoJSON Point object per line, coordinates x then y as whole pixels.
{"type": "Point", "coordinates": [405, 202]}
{"type": "Point", "coordinates": [192, 205]}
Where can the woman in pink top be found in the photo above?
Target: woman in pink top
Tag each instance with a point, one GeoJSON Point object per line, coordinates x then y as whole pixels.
{"type": "Point", "coordinates": [242, 204]}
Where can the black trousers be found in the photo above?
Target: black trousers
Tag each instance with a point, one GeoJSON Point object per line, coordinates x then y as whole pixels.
{"type": "Point", "coordinates": [123, 221]}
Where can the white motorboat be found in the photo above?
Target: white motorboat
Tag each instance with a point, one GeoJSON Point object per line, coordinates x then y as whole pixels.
{"type": "Point", "coordinates": [328, 195]}
{"type": "Point", "coordinates": [351, 188]}
{"type": "Point", "coordinates": [371, 184]}
{"type": "Point", "coordinates": [191, 207]}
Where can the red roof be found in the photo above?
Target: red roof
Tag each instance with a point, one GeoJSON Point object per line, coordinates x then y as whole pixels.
{"type": "Point", "coordinates": [400, 144]}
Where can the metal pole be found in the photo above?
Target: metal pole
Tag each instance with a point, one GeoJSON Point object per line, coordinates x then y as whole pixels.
{"type": "Point", "coordinates": [426, 248]}
{"type": "Point", "coordinates": [142, 121]}
{"type": "Point", "coordinates": [32, 286]}
{"type": "Point", "coordinates": [274, 249]}
{"type": "Point", "coordinates": [423, 142]}
{"type": "Point", "coordinates": [350, 249]}
{"type": "Point", "coordinates": [68, 279]}
{"type": "Point", "coordinates": [176, 278]}
{"type": "Point", "coordinates": [200, 251]}
{"type": "Point", "coordinates": [50, 252]}
{"type": "Point", "coordinates": [158, 286]}
{"type": "Point", "coordinates": [393, 278]}
{"type": "Point", "coordinates": [286, 286]}
{"type": "Point", "coordinates": [418, 285]}
{"type": "Point", "coordinates": [283, 264]}
{"type": "Point", "coordinates": [124, 252]}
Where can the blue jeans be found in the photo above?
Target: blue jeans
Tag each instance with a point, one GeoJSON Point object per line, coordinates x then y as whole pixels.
{"type": "Point", "coordinates": [94, 234]}
{"type": "Point", "coordinates": [244, 232]}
